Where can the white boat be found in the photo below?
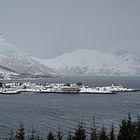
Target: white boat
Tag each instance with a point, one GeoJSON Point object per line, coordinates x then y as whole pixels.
{"type": "Point", "coordinates": [119, 88]}
{"type": "Point", "coordinates": [99, 90]}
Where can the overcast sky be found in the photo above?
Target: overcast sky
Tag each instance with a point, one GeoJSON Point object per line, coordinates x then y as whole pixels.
{"type": "Point", "coordinates": [49, 28]}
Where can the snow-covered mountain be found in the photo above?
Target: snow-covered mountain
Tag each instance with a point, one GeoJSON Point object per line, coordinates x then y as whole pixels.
{"type": "Point", "coordinates": [93, 62]}
{"type": "Point", "coordinates": [15, 62]}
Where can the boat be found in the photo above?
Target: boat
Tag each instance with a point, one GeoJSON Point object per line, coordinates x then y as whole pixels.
{"type": "Point", "coordinates": [60, 90]}
{"type": "Point", "coordinates": [99, 90]}
{"type": "Point", "coordinates": [120, 88]}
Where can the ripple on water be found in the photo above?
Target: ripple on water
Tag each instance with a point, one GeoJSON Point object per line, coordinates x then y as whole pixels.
{"type": "Point", "coordinates": [46, 111]}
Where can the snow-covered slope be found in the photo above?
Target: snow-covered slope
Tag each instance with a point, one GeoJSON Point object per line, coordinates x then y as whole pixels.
{"type": "Point", "coordinates": [12, 60]}
{"type": "Point", "coordinates": [92, 62]}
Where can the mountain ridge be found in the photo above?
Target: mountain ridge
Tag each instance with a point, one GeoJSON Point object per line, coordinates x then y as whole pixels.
{"type": "Point", "coordinates": [94, 62]}
{"type": "Point", "coordinates": [79, 62]}
{"type": "Point", "coordinates": [14, 61]}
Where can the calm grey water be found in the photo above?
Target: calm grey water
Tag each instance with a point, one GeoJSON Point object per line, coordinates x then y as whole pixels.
{"type": "Point", "coordinates": [53, 111]}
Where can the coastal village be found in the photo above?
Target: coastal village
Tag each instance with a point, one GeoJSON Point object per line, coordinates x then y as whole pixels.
{"type": "Point", "coordinates": [78, 88]}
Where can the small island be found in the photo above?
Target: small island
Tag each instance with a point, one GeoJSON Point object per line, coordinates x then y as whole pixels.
{"type": "Point", "coordinates": [61, 88]}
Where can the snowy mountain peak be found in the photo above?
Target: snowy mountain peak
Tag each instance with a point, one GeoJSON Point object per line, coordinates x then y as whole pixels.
{"type": "Point", "coordinates": [13, 60]}
{"type": "Point", "coordinates": [94, 62]}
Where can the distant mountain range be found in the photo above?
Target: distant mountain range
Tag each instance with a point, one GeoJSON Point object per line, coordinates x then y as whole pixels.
{"type": "Point", "coordinates": [14, 63]}
{"type": "Point", "coordinates": [93, 62]}
{"type": "Point", "coordinates": [17, 64]}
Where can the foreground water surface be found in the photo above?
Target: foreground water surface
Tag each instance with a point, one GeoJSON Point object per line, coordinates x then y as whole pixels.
{"type": "Point", "coordinates": [54, 111]}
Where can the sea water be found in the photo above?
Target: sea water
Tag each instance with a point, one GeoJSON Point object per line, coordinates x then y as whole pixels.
{"type": "Point", "coordinates": [47, 112]}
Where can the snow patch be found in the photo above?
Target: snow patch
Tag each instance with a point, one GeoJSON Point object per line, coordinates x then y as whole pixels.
{"type": "Point", "coordinates": [93, 62]}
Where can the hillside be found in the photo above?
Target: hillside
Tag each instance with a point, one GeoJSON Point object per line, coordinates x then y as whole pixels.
{"type": "Point", "coordinates": [93, 62]}
{"type": "Point", "coordinates": [13, 61]}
